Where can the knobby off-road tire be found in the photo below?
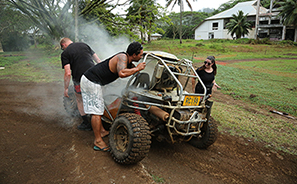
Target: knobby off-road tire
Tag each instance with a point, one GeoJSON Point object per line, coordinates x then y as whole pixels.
{"type": "Point", "coordinates": [208, 136]}
{"type": "Point", "coordinates": [129, 138]}
{"type": "Point", "coordinates": [70, 104]}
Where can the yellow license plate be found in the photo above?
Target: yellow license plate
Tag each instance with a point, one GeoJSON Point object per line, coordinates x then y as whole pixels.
{"type": "Point", "coordinates": [191, 100]}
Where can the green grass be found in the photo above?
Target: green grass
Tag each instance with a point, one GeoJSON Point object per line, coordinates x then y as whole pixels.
{"type": "Point", "coordinates": [278, 134]}
{"type": "Point", "coordinates": [272, 66]}
{"type": "Point", "coordinates": [8, 59]}
{"type": "Point", "coordinates": [275, 90]}
{"type": "Point", "coordinates": [223, 49]}
{"type": "Point", "coordinates": [157, 179]}
{"type": "Point", "coordinates": [32, 66]}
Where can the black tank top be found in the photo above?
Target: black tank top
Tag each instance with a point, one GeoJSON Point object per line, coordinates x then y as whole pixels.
{"type": "Point", "coordinates": [101, 74]}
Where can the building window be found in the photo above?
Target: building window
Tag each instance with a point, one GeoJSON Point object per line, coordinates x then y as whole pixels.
{"type": "Point", "coordinates": [215, 26]}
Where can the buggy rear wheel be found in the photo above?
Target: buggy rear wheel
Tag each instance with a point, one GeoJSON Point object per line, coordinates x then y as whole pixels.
{"type": "Point", "coordinates": [70, 104]}
{"type": "Point", "coordinates": [129, 138]}
{"type": "Point", "coordinates": [207, 137]}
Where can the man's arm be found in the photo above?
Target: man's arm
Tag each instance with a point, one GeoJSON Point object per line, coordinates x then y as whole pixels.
{"type": "Point", "coordinates": [67, 77]}
{"type": "Point", "coordinates": [96, 58]}
{"type": "Point", "coordinates": [122, 69]}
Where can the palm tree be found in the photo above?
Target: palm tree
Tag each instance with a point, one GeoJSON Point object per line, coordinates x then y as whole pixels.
{"type": "Point", "coordinates": [239, 25]}
{"type": "Point", "coordinates": [288, 10]}
{"type": "Point", "coordinates": [180, 3]}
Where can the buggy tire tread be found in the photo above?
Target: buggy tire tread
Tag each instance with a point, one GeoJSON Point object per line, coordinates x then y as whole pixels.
{"type": "Point", "coordinates": [139, 144]}
{"type": "Point", "coordinates": [208, 138]}
{"type": "Point", "coordinates": [70, 104]}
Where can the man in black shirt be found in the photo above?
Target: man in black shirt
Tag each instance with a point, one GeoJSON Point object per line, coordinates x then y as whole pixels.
{"type": "Point", "coordinates": [76, 59]}
{"type": "Point", "coordinates": [119, 65]}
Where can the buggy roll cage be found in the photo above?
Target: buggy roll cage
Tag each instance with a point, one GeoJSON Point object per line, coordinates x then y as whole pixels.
{"type": "Point", "coordinates": [164, 62]}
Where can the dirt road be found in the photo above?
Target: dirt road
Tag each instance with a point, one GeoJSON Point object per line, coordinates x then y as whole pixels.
{"type": "Point", "coordinates": [40, 144]}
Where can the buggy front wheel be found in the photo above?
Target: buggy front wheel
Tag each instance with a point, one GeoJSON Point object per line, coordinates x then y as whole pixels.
{"type": "Point", "coordinates": [207, 137]}
{"type": "Point", "coordinates": [129, 138]}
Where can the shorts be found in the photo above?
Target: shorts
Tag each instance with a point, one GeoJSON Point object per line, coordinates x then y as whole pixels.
{"type": "Point", "coordinates": [92, 97]}
{"type": "Point", "coordinates": [77, 87]}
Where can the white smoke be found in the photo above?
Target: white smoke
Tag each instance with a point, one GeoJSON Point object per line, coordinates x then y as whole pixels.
{"type": "Point", "coordinates": [102, 43]}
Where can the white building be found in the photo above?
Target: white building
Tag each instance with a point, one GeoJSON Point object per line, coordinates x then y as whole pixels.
{"type": "Point", "coordinates": [215, 27]}
{"type": "Point", "coordinates": [156, 36]}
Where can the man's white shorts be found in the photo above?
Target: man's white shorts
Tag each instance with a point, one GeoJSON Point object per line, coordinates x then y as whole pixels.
{"type": "Point", "coordinates": [92, 97]}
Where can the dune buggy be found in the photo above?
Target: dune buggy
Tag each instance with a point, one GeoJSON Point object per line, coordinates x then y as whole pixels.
{"type": "Point", "coordinates": [154, 103]}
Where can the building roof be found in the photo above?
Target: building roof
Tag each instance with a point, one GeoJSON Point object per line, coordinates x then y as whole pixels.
{"type": "Point", "coordinates": [156, 34]}
{"type": "Point", "coordinates": [248, 7]}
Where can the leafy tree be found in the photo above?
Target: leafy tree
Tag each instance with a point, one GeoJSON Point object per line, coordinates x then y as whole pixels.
{"type": "Point", "coordinates": [51, 16]}
{"type": "Point", "coordinates": [145, 14]}
{"type": "Point", "coordinates": [239, 25]}
{"type": "Point", "coordinates": [265, 3]}
{"type": "Point", "coordinates": [288, 10]}
{"type": "Point", "coordinates": [14, 29]}
{"type": "Point", "coordinates": [56, 17]}
{"type": "Point", "coordinates": [138, 12]}
{"type": "Point", "coordinates": [190, 21]}
{"type": "Point", "coordinates": [180, 3]}
{"type": "Point", "coordinates": [172, 29]}
{"type": "Point", "coordinates": [102, 15]}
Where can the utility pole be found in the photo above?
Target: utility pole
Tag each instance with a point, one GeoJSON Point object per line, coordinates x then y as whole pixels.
{"type": "Point", "coordinates": [181, 21]}
{"type": "Point", "coordinates": [257, 19]}
{"type": "Point", "coordinates": [76, 20]}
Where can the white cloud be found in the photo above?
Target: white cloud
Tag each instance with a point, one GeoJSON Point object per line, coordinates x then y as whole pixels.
{"type": "Point", "coordinates": [197, 5]}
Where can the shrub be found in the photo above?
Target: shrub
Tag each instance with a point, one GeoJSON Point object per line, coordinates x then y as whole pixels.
{"type": "Point", "coordinates": [242, 41]}
{"type": "Point", "coordinates": [199, 45]}
{"type": "Point", "coordinates": [286, 42]}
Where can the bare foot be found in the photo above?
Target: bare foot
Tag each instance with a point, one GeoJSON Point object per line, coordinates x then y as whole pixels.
{"type": "Point", "coordinates": [104, 133]}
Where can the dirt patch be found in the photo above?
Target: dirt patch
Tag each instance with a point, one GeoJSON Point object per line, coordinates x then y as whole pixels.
{"type": "Point", "coordinates": [40, 144]}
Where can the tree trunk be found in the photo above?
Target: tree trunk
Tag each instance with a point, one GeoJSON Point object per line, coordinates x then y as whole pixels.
{"type": "Point", "coordinates": [284, 33]}
{"type": "Point", "coordinates": [35, 42]}
{"type": "Point", "coordinates": [295, 37]}
{"type": "Point", "coordinates": [181, 22]}
{"type": "Point", "coordinates": [1, 49]}
{"type": "Point", "coordinates": [149, 33]}
{"type": "Point", "coordinates": [76, 20]}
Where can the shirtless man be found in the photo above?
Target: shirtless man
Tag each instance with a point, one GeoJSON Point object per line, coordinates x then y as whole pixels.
{"type": "Point", "coordinates": [105, 72]}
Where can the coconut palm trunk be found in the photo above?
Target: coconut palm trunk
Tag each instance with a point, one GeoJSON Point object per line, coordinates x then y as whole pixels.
{"type": "Point", "coordinates": [181, 22]}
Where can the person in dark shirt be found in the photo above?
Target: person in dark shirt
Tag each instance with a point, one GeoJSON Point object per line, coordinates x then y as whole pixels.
{"type": "Point", "coordinates": [119, 65]}
{"type": "Point", "coordinates": [207, 74]}
{"type": "Point", "coordinates": [76, 59]}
